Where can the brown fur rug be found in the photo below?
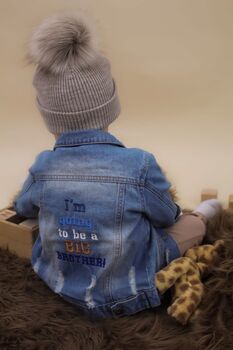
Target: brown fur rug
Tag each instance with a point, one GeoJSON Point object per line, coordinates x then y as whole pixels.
{"type": "Point", "coordinates": [33, 318]}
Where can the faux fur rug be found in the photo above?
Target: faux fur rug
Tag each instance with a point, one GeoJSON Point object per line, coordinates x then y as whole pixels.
{"type": "Point", "coordinates": [33, 318]}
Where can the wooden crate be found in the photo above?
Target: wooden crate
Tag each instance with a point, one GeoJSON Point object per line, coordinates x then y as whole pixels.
{"type": "Point", "coordinates": [17, 233]}
{"type": "Point", "coordinates": [209, 194]}
{"type": "Point", "coordinates": [231, 201]}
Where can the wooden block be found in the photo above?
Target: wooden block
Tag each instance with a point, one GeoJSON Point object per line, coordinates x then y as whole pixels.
{"type": "Point", "coordinates": [6, 213]}
{"type": "Point", "coordinates": [17, 233]}
{"type": "Point", "coordinates": [208, 194]}
{"type": "Point", "coordinates": [231, 202]}
{"type": "Point", "coordinates": [29, 223]}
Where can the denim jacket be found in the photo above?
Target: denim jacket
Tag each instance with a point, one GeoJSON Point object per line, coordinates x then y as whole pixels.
{"type": "Point", "coordinates": [101, 208]}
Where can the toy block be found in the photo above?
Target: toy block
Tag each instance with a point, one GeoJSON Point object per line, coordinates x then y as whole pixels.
{"type": "Point", "coordinates": [6, 213]}
{"type": "Point", "coordinates": [17, 233]}
{"type": "Point", "coordinates": [231, 202]}
{"type": "Point", "coordinates": [208, 194]}
{"type": "Point", "coordinates": [29, 223]}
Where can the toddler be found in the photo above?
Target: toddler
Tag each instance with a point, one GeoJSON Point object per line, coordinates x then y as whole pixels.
{"type": "Point", "coordinates": [107, 222]}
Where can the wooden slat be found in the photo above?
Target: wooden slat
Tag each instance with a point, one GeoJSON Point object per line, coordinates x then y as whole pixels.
{"type": "Point", "coordinates": [209, 194]}
{"type": "Point", "coordinates": [29, 223]}
{"type": "Point", "coordinates": [18, 240]}
{"type": "Point", "coordinates": [17, 233]}
{"type": "Point", "coordinates": [231, 202]}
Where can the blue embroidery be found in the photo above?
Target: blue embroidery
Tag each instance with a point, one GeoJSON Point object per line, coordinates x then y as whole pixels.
{"type": "Point", "coordinates": [78, 207]}
{"type": "Point", "coordinates": [80, 259]}
{"type": "Point", "coordinates": [75, 221]}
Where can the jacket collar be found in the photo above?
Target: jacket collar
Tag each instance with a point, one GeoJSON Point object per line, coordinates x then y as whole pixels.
{"type": "Point", "coordinates": [90, 136]}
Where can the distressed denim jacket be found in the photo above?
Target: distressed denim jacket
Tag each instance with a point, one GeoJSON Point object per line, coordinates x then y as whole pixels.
{"type": "Point", "coordinates": [101, 208]}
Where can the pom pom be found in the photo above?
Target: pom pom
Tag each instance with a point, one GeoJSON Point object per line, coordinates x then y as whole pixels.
{"type": "Point", "coordinates": [62, 41]}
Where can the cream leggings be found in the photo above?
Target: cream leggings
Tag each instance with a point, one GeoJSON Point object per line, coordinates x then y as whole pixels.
{"type": "Point", "coordinates": [188, 231]}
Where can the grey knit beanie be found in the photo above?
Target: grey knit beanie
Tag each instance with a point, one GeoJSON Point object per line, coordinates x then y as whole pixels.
{"type": "Point", "coordinates": [75, 89]}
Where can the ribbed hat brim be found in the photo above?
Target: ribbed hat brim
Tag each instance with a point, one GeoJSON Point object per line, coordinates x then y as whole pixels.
{"type": "Point", "coordinates": [99, 117]}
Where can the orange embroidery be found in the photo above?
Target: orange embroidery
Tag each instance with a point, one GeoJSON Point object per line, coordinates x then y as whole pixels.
{"type": "Point", "coordinates": [77, 247]}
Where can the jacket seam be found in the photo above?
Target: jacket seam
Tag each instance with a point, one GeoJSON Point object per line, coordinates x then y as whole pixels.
{"type": "Point", "coordinates": [142, 198]}
{"type": "Point", "coordinates": [143, 176]}
{"type": "Point", "coordinates": [144, 169]}
{"type": "Point", "coordinates": [86, 143]}
{"type": "Point", "coordinates": [88, 178]}
{"type": "Point", "coordinates": [129, 298]}
{"type": "Point", "coordinates": [41, 196]}
{"type": "Point", "coordinates": [118, 225]}
{"type": "Point", "coordinates": [160, 196]}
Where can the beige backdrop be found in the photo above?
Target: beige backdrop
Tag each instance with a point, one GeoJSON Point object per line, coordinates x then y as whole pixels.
{"type": "Point", "coordinates": [172, 60]}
